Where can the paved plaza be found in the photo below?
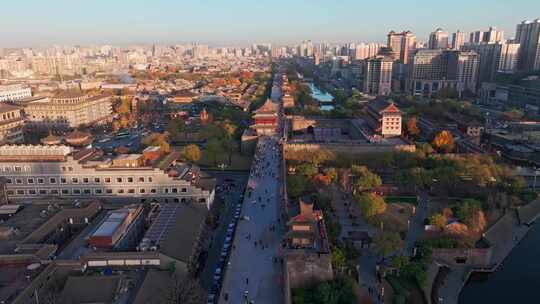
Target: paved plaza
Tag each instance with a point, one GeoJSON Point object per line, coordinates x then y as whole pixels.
{"type": "Point", "coordinates": [254, 273]}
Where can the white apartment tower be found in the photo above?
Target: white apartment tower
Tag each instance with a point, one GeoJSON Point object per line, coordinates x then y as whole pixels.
{"type": "Point", "coordinates": [378, 76]}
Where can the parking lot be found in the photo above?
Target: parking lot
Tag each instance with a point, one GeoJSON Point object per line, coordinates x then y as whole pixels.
{"type": "Point", "coordinates": [231, 187]}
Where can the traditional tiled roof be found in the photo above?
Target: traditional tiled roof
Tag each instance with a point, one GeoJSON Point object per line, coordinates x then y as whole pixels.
{"type": "Point", "coordinates": [268, 107]}
{"type": "Point", "coordinates": [383, 106]}
{"type": "Point", "coordinates": [391, 109]}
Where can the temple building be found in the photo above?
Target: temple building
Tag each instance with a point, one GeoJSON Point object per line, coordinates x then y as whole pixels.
{"type": "Point", "coordinates": [384, 118]}
{"type": "Point", "coordinates": [308, 256]}
{"type": "Point", "coordinates": [266, 118]}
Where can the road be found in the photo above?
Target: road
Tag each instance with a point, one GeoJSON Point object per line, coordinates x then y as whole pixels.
{"type": "Point", "coordinates": [253, 275]}
{"type": "Point", "coordinates": [231, 198]}
{"type": "Point", "coordinates": [416, 226]}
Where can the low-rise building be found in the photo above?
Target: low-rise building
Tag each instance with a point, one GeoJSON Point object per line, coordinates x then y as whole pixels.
{"type": "Point", "coordinates": [14, 92]}
{"type": "Point", "coordinates": [120, 229]}
{"type": "Point", "coordinates": [11, 124]}
{"type": "Point", "coordinates": [68, 110]}
{"type": "Point", "coordinates": [60, 171]}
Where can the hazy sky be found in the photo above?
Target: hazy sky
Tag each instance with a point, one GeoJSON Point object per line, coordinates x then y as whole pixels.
{"type": "Point", "coordinates": [233, 22]}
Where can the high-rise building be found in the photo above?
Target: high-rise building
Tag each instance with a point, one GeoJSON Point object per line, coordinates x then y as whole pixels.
{"type": "Point", "coordinates": [458, 39]}
{"type": "Point", "coordinates": [403, 44]}
{"type": "Point", "coordinates": [433, 70]}
{"type": "Point", "coordinates": [493, 35]}
{"type": "Point", "coordinates": [306, 49]}
{"type": "Point", "coordinates": [494, 57]}
{"type": "Point", "coordinates": [508, 61]}
{"type": "Point", "coordinates": [466, 70]}
{"type": "Point", "coordinates": [378, 75]}
{"type": "Point", "coordinates": [528, 36]}
{"type": "Point", "coordinates": [438, 39]}
{"type": "Point", "coordinates": [363, 51]}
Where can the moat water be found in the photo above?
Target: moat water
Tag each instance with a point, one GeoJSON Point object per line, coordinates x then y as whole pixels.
{"type": "Point", "coordinates": [517, 280]}
{"type": "Point", "coordinates": [324, 98]}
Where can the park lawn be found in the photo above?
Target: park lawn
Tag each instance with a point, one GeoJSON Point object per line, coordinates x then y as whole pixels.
{"type": "Point", "coordinates": [396, 215]}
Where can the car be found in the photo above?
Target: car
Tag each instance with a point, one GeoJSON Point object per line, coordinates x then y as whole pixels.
{"type": "Point", "coordinates": [231, 225]}
{"type": "Point", "coordinates": [228, 239]}
{"type": "Point", "coordinates": [211, 299]}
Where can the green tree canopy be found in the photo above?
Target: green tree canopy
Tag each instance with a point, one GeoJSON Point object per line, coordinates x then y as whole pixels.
{"type": "Point", "coordinates": [467, 210]}
{"type": "Point", "coordinates": [364, 179]}
{"type": "Point", "coordinates": [213, 150]}
{"type": "Point", "coordinates": [192, 153]}
{"type": "Point", "coordinates": [307, 169]}
{"type": "Point", "coordinates": [296, 185]}
{"type": "Point", "coordinates": [438, 220]}
{"type": "Point", "coordinates": [387, 242]}
{"type": "Point", "coordinates": [176, 127]}
{"type": "Point", "coordinates": [157, 139]}
{"type": "Point", "coordinates": [370, 204]}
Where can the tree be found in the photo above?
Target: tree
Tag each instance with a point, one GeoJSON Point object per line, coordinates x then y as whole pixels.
{"type": "Point", "coordinates": [338, 259]}
{"type": "Point", "coordinates": [444, 141]}
{"type": "Point", "coordinates": [387, 242]}
{"type": "Point", "coordinates": [228, 141]}
{"type": "Point", "coordinates": [424, 150]}
{"type": "Point", "coordinates": [467, 210]}
{"type": "Point", "coordinates": [157, 139]}
{"type": "Point", "coordinates": [185, 291]}
{"type": "Point", "coordinates": [438, 220]}
{"type": "Point", "coordinates": [307, 169]}
{"type": "Point", "coordinates": [400, 261]}
{"type": "Point", "coordinates": [175, 127]}
{"type": "Point", "coordinates": [370, 204]}
{"type": "Point", "coordinates": [331, 173]}
{"type": "Point", "coordinates": [364, 179]}
{"type": "Point", "coordinates": [447, 93]}
{"type": "Point", "coordinates": [192, 153]}
{"type": "Point", "coordinates": [229, 128]}
{"type": "Point", "coordinates": [213, 150]}
{"type": "Point", "coordinates": [296, 185]}
{"type": "Point", "coordinates": [212, 131]}
{"type": "Point", "coordinates": [412, 128]}
{"type": "Point", "coordinates": [420, 177]}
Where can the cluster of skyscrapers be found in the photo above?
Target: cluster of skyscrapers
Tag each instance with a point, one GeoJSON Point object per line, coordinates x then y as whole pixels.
{"type": "Point", "coordinates": [450, 61]}
{"type": "Point", "coordinates": [457, 61]}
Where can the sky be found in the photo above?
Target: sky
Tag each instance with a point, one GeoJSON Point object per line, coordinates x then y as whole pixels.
{"type": "Point", "coordinates": [27, 23]}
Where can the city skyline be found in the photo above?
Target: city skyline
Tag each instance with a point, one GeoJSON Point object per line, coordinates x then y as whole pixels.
{"type": "Point", "coordinates": [238, 23]}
